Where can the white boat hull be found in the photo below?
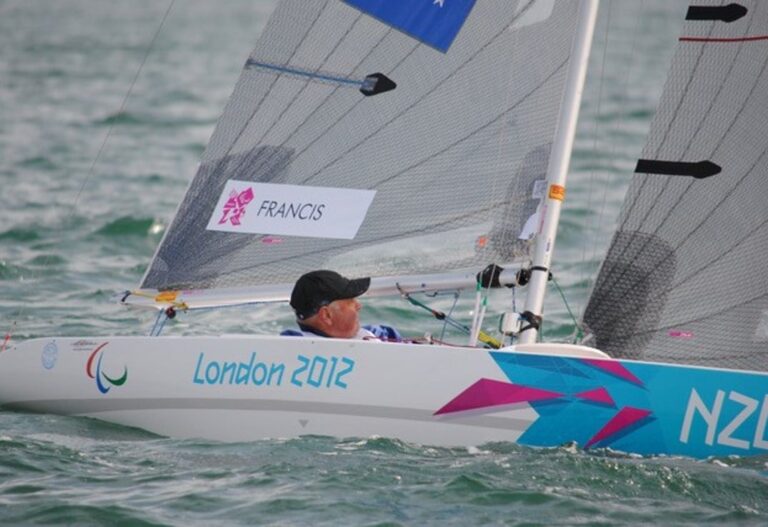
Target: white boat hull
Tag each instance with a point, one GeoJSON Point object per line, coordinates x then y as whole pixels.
{"type": "Point", "coordinates": [247, 388]}
{"type": "Point", "coordinates": [177, 387]}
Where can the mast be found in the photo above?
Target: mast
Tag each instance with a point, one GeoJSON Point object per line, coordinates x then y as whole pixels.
{"type": "Point", "coordinates": [558, 166]}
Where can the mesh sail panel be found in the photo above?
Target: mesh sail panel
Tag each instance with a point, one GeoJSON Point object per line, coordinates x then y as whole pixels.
{"type": "Point", "coordinates": [453, 152]}
{"type": "Point", "coordinates": [686, 276]}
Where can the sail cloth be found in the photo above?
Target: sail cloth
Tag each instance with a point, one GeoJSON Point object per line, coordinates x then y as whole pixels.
{"type": "Point", "coordinates": [446, 138]}
{"type": "Point", "coordinates": [685, 279]}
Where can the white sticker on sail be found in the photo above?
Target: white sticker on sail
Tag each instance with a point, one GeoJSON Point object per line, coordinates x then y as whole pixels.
{"type": "Point", "coordinates": [533, 13]}
{"type": "Point", "coordinates": [290, 210]}
{"type": "Point", "coordinates": [539, 189]}
{"type": "Point", "coordinates": [761, 331]}
{"type": "Point", "coordinates": [530, 228]}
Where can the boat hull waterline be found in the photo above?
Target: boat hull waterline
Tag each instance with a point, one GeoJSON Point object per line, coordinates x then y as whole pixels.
{"type": "Point", "coordinates": [252, 387]}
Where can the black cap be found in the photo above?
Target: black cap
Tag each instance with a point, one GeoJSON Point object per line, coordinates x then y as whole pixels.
{"type": "Point", "coordinates": [319, 288]}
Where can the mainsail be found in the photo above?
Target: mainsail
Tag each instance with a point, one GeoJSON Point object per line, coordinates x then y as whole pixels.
{"type": "Point", "coordinates": [442, 113]}
{"type": "Point", "coordinates": [685, 279]}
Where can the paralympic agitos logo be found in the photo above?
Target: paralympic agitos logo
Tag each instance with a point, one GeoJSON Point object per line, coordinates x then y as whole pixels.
{"type": "Point", "coordinates": [103, 381]}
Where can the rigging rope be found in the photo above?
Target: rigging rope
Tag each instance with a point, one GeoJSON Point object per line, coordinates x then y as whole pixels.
{"type": "Point", "coordinates": [621, 121]}
{"type": "Point", "coordinates": [450, 313]}
{"type": "Point", "coordinates": [92, 168]}
{"type": "Point", "coordinates": [579, 330]}
{"type": "Point", "coordinates": [590, 223]}
{"type": "Point", "coordinates": [483, 337]}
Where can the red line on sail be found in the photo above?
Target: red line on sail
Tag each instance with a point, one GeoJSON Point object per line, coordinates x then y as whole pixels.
{"type": "Point", "coordinates": [708, 39]}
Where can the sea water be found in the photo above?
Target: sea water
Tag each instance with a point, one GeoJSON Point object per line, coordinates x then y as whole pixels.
{"type": "Point", "coordinates": [91, 178]}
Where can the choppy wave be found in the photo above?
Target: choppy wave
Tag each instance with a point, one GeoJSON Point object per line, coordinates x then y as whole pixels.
{"type": "Point", "coordinates": [9, 271]}
{"type": "Point", "coordinates": [38, 162]}
{"type": "Point", "coordinates": [90, 468]}
{"type": "Point", "coordinates": [70, 67]}
{"type": "Point", "coordinates": [136, 119]}
{"type": "Point", "coordinates": [20, 235]}
{"type": "Point", "coordinates": [127, 226]}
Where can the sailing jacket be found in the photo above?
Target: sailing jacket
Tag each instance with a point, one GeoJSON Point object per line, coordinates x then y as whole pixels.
{"type": "Point", "coordinates": [369, 331]}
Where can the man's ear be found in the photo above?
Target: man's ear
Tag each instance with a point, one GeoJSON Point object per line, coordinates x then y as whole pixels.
{"type": "Point", "coordinates": [326, 317]}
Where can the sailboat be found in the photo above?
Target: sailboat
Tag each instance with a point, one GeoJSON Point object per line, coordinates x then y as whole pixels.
{"type": "Point", "coordinates": [416, 142]}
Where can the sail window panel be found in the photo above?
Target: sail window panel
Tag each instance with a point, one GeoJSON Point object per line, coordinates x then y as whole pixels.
{"type": "Point", "coordinates": [375, 112]}
{"type": "Point", "coordinates": [399, 116]}
{"type": "Point", "coordinates": [319, 106]}
{"type": "Point", "coordinates": [276, 46]}
{"type": "Point", "coordinates": [347, 112]}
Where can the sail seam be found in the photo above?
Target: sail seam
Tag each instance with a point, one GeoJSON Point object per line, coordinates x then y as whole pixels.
{"type": "Point", "coordinates": [288, 105]}
{"type": "Point", "coordinates": [733, 189]}
{"type": "Point", "coordinates": [692, 274]}
{"type": "Point", "coordinates": [266, 95]}
{"type": "Point", "coordinates": [322, 103]}
{"type": "Point", "coordinates": [631, 206]}
{"type": "Point", "coordinates": [716, 39]}
{"type": "Point", "coordinates": [221, 163]}
{"type": "Point", "coordinates": [475, 131]}
{"type": "Point", "coordinates": [617, 279]}
{"type": "Point", "coordinates": [405, 110]}
{"type": "Point", "coordinates": [403, 171]}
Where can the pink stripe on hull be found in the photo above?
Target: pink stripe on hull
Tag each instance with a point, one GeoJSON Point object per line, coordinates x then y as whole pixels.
{"type": "Point", "coordinates": [487, 393]}
{"type": "Point", "coordinates": [598, 395]}
{"type": "Point", "coordinates": [625, 418]}
{"type": "Point", "coordinates": [614, 367]}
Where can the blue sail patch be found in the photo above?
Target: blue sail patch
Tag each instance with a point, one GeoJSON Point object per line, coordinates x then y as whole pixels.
{"type": "Point", "coordinates": [434, 22]}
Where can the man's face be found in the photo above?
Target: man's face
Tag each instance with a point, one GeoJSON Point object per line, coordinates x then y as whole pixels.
{"type": "Point", "coordinates": [344, 319]}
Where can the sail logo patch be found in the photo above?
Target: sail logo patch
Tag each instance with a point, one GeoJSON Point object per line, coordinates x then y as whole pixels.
{"type": "Point", "coordinates": [104, 382]}
{"type": "Point", "coordinates": [293, 210]}
{"type": "Point", "coordinates": [433, 22]}
{"type": "Point", "coordinates": [234, 208]}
